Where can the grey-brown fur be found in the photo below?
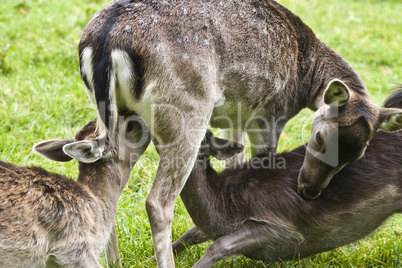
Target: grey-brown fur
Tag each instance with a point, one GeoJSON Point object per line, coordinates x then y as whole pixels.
{"type": "Point", "coordinates": [239, 64]}
{"type": "Point", "coordinates": [48, 220]}
{"type": "Point", "coordinates": [257, 212]}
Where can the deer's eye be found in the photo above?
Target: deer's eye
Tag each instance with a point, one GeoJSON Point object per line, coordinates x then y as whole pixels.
{"type": "Point", "coordinates": [130, 126]}
{"type": "Point", "coordinates": [318, 138]}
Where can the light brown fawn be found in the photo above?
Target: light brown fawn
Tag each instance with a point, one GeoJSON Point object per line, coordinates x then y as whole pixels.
{"type": "Point", "coordinates": [48, 220]}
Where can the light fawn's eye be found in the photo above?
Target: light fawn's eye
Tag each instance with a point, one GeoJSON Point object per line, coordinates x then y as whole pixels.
{"type": "Point", "coordinates": [130, 126]}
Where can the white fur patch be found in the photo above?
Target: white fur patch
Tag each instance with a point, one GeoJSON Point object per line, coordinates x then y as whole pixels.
{"type": "Point", "coordinates": [121, 81]}
{"type": "Point", "coordinates": [144, 107]}
{"type": "Point", "coordinates": [123, 73]}
{"type": "Point", "coordinates": [87, 70]}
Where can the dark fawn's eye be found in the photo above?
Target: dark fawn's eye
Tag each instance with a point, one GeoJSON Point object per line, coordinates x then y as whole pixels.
{"type": "Point", "coordinates": [130, 126]}
{"type": "Point", "coordinates": [318, 138]}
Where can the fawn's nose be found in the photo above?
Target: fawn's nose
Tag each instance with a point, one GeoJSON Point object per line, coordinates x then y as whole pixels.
{"type": "Point", "coordinates": [306, 190]}
{"type": "Point", "coordinates": [308, 193]}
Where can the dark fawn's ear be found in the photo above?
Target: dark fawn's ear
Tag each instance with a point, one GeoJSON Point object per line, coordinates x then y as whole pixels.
{"type": "Point", "coordinates": [222, 149]}
{"type": "Point", "coordinates": [53, 150]}
{"type": "Point", "coordinates": [390, 119]}
{"type": "Point", "coordinates": [84, 151]}
{"type": "Point", "coordinates": [336, 94]}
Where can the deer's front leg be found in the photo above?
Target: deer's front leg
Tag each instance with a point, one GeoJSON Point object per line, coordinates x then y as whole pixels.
{"type": "Point", "coordinates": [239, 136]}
{"type": "Point", "coordinates": [192, 236]}
{"type": "Point", "coordinates": [264, 134]}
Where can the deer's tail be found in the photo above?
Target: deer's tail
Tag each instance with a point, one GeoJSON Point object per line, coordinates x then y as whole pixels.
{"type": "Point", "coordinates": [108, 74]}
{"type": "Point", "coordinates": [96, 72]}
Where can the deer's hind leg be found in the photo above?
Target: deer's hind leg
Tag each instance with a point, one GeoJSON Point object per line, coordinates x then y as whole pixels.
{"type": "Point", "coordinates": [254, 239]}
{"type": "Point", "coordinates": [178, 126]}
{"type": "Point", "coordinates": [177, 156]}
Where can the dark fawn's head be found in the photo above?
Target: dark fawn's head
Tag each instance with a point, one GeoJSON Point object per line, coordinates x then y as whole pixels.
{"type": "Point", "coordinates": [340, 134]}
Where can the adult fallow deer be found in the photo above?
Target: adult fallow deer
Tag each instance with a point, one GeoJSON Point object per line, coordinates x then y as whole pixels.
{"type": "Point", "coordinates": [243, 65]}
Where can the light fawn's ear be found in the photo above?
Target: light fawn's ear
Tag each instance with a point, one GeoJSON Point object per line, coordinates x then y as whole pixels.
{"type": "Point", "coordinates": [85, 151]}
{"type": "Point", "coordinates": [53, 150]}
{"type": "Point", "coordinates": [390, 119]}
{"type": "Point", "coordinates": [222, 149]}
{"type": "Point", "coordinates": [336, 94]}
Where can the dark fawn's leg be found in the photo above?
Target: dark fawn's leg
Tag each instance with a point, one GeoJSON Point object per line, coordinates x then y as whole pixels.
{"type": "Point", "coordinates": [239, 136]}
{"type": "Point", "coordinates": [250, 237]}
{"type": "Point", "coordinates": [191, 237]}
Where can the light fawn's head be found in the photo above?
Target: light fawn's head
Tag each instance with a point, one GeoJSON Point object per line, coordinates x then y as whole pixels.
{"type": "Point", "coordinates": [121, 149]}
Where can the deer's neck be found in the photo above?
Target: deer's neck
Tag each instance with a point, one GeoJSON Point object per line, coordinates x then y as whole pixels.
{"type": "Point", "coordinates": [326, 66]}
{"type": "Point", "coordinates": [104, 179]}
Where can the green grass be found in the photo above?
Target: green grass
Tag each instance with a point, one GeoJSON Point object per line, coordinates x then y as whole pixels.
{"type": "Point", "coordinates": [42, 97]}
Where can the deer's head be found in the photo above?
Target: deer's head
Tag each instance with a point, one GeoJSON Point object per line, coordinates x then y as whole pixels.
{"type": "Point", "coordinates": [340, 134]}
{"type": "Point", "coordinates": [120, 150]}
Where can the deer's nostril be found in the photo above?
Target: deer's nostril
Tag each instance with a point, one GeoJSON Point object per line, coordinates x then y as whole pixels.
{"type": "Point", "coordinates": [308, 194]}
{"type": "Point", "coordinates": [300, 189]}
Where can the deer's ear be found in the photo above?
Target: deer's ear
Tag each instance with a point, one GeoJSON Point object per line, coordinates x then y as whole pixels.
{"type": "Point", "coordinates": [222, 149]}
{"type": "Point", "coordinates": [336, 94]}
{"type": "Point", "coordinates": [53, 150]}
{"type": "Point", "coordinates": [84, 151]}
{"type": "Point", "coordinates": [390, 119]}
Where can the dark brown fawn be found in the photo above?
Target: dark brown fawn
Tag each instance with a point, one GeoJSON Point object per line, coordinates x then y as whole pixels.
{"type": "Point", "coordinates": [243, 65]}
{"type": "Point", "coordinates": [47, 220]}
{"type": "Point", "coordinates": [257, 212]}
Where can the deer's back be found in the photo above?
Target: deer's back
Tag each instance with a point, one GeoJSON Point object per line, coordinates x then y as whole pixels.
{"type": "Point", "coordinates": [369, 190]}
{"type": "Point", "coordinates": [245, 44]}
{"type": "Point", "coordinates": [38, 207]}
